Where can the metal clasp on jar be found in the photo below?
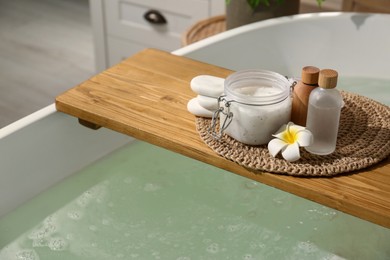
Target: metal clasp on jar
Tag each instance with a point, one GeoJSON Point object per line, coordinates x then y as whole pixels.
{"type": "Point", "coordinates": [225, 110]}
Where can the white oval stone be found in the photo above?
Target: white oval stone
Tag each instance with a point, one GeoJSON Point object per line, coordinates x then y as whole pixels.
{"type": "Point", "coordinates": [196, 109]}
{"type": "Point", "coordinates": [207, 85]}
{"type": "Point", "coordinates": [209, 103]}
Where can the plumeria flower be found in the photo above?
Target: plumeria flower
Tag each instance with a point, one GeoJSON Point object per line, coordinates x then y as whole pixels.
{"type": "Point", "coordinates": [288, 140]}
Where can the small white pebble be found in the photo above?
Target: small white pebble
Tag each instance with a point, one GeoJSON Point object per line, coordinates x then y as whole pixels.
{"type": "Point", "coordinates": [196, 109]}
{"type": "Point", "coordinates": [207, 85]}
{"type": "Point", "coordinates": [209, 103]}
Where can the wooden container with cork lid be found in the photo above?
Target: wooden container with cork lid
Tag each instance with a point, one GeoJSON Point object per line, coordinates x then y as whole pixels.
{"type": "Point", "coordinates": [302, 90]}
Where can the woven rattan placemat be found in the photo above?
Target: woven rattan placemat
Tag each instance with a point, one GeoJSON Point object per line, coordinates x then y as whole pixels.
{"type": "Point", "coordinates": [363, 140]}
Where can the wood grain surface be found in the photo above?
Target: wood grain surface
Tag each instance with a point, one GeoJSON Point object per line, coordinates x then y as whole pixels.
{"type": "Point", "coordinates": [146, 96]}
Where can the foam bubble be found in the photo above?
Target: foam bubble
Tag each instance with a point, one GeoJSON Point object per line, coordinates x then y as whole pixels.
{"type": "Point", "coordinates": [251, 184]}
{"type": "Point", "coordinates": [307, 247]}
{"type": "Point", "coordinates": [75, 215]}
{"type": "Point", "coordinates": [233, 228]}
{"type": "Point", "coordinates": [156, 255]}
{"type": "Point", "coordinates": [39, 242]}
{"type": "Point", "coordinates": [151, 187]}
{"type": "Point", "coordinates": [38, 234]}
{"type": "Point", "coordinates": [70, 236]}
{"type": "Point", "coordinates": [213, 248]}
{"type": "Point", "coordinates": [27, 255]}
{"type": "Point", "coordinates": [278, 201]}
{"type": "Point", "coordinates": [248, 257]}
{"type": "Point", "coordinates": [92, 228]}
{"type": "Point", "coordinates": [106, 222]}
{"type": "Point", "coordinates": [128, 180]}
{"type": "Point", "coordinates": [84, 199]}
{"type": "Point", "coordinates": [320, 213]}
{"type": "Point", "coordinates": [96, 193]}
{"type": "Point", "coordinates": [48, 227]}
{"type": "Point", "coordinates": [57, 244]}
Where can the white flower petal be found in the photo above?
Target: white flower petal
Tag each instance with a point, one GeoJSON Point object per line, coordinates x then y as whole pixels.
{"type": "Point", "coordinates": [305, 138]}
{"type": "Point", "coordinates": [282, 128]}
{"type": "Point", "coordinates": [275, 145]}
{"type": "Point", "coordinates": [295, 128]}
{"type": "Point", "coordinates": [279, 135]}
{"type": "Point", "coordinates": [291, 152]}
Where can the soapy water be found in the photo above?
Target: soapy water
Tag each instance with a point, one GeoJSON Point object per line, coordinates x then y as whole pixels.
{"type": "Point", "coordinates": [14, 252]}
{"type": "Point", "coordinates": [213, 248]}
{"type": "Point", "coordinates": [75, 215]}
{"type": "Point", "coordinates": [57, 244]}
{"type": "Point", "coordinates": [183, 258]}
{"type": "Point", "coordinates": [26, 255]}
{"type": "Point", "coordinates": [150, 187]}
{"type": "Point", "coordinates": [188, 213]}
{"type": "Point", "coordinates": [377, 87]}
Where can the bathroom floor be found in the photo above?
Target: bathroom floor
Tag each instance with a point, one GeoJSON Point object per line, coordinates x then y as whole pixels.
{"type": "Point", "coordinates": [46, 47]}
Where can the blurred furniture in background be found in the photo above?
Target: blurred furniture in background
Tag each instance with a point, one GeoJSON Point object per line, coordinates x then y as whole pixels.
{"type": "Point", "coordinates": [203, 29]}
{"type": "Point", "coordinates": [124, 27]}
{"type": "Point", "coordinates": [372, 6]}
{"type": "Point", "coordinates": [214, 25]}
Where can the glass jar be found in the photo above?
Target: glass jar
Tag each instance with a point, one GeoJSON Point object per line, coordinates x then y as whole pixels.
{"type": "Point", "coordinates": [255, 104]}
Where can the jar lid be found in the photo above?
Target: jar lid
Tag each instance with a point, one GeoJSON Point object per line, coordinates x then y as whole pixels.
{"type": "Point", "coordinates": [256, 87]}
{"type": "Point", "coordinates": [328, 78]}
{"type": "Point", "coordinates": [310, 75]}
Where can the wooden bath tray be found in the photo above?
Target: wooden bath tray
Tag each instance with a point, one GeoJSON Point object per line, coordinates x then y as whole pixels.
{"type": "Point", "coordinates": [146, 96]}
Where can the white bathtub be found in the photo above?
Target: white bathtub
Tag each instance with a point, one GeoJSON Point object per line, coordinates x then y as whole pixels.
{"type": "Point", "coordinates": [47, 147]}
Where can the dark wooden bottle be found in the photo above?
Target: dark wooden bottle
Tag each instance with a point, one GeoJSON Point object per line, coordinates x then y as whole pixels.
{"type": "Point", "coordinates": [301, 93]}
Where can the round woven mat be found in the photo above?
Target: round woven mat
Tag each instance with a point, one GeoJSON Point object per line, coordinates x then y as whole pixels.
{"type": "Point", "coordinates": [363, 140]}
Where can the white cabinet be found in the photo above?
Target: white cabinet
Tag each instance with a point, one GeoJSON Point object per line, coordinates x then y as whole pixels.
{"type": "Point", "coordinates": [124, 27]}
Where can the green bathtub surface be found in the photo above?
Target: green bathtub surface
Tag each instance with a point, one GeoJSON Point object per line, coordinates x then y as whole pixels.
{"type": "Point", "coordinates": [144, 202]}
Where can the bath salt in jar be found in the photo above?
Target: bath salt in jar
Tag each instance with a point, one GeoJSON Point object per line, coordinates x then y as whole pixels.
{"type": "Point", "coordinates": [255, 104]}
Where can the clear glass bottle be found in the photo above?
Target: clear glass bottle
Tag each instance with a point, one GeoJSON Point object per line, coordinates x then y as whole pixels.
{"type": "Point", "coordinates": [301, 93]}
{"type": "Point", "coordinates": [323, 115]}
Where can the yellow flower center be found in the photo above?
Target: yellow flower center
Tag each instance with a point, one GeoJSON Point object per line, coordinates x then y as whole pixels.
{"type": "Point", "coordinates": [290, 136]}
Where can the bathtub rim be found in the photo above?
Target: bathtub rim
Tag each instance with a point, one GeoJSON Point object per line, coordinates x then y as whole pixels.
{"type": "Point", "coordinates": [27, 120]}
{"type": "Point", "coordinates": [261, 24]}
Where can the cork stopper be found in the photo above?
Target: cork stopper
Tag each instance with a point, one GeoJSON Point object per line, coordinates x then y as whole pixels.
{"type": "Point", "coordinates": [310, 75]}
{"type": "Point", "coordinates": [328, 78]}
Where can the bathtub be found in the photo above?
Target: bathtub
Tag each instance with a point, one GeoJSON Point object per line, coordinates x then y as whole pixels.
{"type": "Point", "coordinates": [69, 192]}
